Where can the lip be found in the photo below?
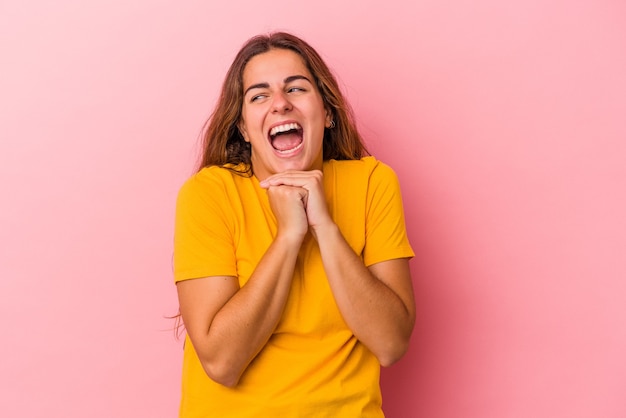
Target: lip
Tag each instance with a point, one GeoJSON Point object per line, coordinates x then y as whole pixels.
{"type": "Point", "coordinates": [285, 154]}
{"type": "Point", "coordinates": [282, 122]}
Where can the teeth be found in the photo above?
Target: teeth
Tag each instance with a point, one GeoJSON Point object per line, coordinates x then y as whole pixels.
{"type": "Point", "coordinates": [284, 128]}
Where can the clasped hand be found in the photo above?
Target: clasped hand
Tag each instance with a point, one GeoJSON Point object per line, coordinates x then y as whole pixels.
{"type": "Point", "coordinates": [298, 201]}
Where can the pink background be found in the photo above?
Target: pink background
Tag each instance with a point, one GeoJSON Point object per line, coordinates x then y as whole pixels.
{"type": "Point", "coordinates": [505, 121]}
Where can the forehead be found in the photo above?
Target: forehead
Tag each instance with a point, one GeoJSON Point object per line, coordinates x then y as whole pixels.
{"type": "Point", "coordinates": [274, 66]}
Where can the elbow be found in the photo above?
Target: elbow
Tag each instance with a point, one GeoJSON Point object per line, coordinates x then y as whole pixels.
{"type": "Point", "coordinates": [390, 358]}
{"type": "Point", "coordinates": [396, 346]}
{"type": "Point", "coordinates": [392, 353]}
{"type": "Point", "coordinates": [221, 373]}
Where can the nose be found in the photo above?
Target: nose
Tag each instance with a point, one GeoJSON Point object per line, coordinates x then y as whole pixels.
{"type": "Point", "coordinates": [280, 103]}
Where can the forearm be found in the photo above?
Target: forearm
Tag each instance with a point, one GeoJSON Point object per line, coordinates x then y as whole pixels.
{"type": "Point", "coordinates": [378, 316]}
{"type": "Point", "coordinates": [244, 324]}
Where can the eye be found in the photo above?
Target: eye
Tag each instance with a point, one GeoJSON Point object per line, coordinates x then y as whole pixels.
{"type": "Point", "coordinates": [257, 97]}
{"type": "Point", "coordinates": [295, 90]}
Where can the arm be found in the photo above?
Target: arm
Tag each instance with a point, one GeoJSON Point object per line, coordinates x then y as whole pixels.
{"type": "Point", "coordinates": [377, 303]}
{"type": "Point", "coordinates": [228, 325]}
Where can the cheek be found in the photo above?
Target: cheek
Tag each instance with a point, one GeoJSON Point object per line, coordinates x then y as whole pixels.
{"type": "Point", "coordinates": [251, 121]}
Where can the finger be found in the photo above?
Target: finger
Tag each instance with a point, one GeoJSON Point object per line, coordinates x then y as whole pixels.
{"type": "Point", "coordinates": [292, 178]}
{"type": "Point", "coordinates": [287, 192]}
{"type": "Point", "coordinates": [292, 174]}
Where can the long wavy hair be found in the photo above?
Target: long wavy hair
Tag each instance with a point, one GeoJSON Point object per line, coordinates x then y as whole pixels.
{"type": "Point", "coordinates": [223, 144]}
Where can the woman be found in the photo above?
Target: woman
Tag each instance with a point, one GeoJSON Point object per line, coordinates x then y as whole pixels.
{"type": "Point", "coordinates": [291, 256]}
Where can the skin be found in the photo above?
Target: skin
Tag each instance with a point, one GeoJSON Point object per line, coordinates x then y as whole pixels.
{"type": "Point", "coordinates": [376, 302]}
{"type": "Point", "coordinates": [278, 89]}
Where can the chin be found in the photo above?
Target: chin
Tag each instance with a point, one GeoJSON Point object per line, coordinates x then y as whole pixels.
{"type": "Point", "coordinates": [292, 167]}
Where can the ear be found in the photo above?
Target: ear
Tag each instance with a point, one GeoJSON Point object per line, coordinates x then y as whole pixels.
{"type": "Point", "coordinates": [242, 130]}
{"type": "Point", "coordinates": [329, 118]}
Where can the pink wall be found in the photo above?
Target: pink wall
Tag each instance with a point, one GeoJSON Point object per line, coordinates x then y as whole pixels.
{"type": "Point", "coordinates": [504, 120]}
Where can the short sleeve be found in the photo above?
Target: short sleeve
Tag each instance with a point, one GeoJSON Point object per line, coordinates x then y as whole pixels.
{"type": "Point", "coordinates": [385, 229]}
{"type": "Point", "coordinates": [203, 232]}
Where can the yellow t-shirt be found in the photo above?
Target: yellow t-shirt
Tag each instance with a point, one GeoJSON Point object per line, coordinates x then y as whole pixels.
{"type": "Point", "coordinates": [313, 365]}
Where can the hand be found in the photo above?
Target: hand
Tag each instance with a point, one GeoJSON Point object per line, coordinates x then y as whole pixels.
{"type": "Point", "coordinates": [314, 201]}
{"type": "Point", "coordinates": [287, 203]}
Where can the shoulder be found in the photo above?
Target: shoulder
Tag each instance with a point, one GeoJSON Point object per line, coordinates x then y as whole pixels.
{"type": "Point", "coordinates": [365, 168]}
{"type": "Point", "coordinates": [211, 183]}
{"type": "Point", "coordinates": [211, 177]}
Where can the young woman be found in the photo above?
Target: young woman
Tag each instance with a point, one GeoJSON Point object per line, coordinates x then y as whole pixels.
{"type": "Point", "coordinates": [291, 255]}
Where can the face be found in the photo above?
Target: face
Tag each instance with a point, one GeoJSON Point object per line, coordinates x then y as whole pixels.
{"type": "Point", "coordinates": [283, 114]}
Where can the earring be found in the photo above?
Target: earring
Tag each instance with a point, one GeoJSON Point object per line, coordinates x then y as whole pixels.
{"type": "Point", "coordinates": [332, 124]}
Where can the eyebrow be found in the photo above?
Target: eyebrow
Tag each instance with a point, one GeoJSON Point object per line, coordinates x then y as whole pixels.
{"type": "Point", "coordinates": [287, 80]}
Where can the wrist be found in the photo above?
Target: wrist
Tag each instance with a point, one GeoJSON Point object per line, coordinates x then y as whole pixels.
{"type": "Point", "coordinates": [292, 239]}
{"type": "Point", "coordinates": [326, 230]}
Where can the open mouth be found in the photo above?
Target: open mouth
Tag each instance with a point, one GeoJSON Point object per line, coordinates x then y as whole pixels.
{"type": "Point", "coordinates": [286, 138]}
